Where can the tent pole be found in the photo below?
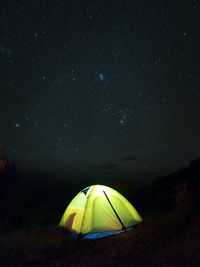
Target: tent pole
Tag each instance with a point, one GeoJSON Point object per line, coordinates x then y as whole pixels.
{"type": "Point", "coordinates": [123, 227]}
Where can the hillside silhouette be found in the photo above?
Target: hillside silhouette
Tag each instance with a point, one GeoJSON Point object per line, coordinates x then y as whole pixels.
{"type": "Point", "coordinates": [163, 193]}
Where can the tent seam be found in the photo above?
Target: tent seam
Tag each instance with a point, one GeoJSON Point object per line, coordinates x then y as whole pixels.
{"type": "Point", "coordinates": [86, 207]}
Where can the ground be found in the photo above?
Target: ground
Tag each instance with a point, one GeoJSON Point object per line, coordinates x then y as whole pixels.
{"type": "Point", "coordinates": [171, 240]}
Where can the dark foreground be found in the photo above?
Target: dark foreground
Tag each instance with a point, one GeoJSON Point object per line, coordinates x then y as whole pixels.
{"type": "Point", "coordinates": [170, 235]}
{"type": "Point", "coordinates": [172, 240]}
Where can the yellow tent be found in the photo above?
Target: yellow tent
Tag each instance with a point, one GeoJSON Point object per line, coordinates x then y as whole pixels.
{"type": "Point", "coordinates": [98, 211]}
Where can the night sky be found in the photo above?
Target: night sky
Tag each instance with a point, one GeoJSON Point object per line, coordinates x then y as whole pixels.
{"type": "Point", "coordinates": [107, 86]}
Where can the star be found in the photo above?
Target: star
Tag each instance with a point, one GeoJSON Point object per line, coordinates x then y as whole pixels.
{"type": "Point", "coordinates": [101, 77]}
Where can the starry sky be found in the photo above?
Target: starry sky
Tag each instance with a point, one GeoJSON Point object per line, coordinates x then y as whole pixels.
{"type": "Point", "coordinates": [107, 86]}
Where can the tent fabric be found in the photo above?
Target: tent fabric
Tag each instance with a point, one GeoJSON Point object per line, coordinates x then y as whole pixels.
{"type": "Point", "coordinates": [99, 209]}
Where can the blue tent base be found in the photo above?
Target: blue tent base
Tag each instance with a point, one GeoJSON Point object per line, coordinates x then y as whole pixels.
{"type": "Point", "coordinates": [101, 234]}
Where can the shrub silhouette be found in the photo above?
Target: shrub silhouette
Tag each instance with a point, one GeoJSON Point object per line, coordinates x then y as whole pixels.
{"type": "Point", "coordinates": [183, 199]}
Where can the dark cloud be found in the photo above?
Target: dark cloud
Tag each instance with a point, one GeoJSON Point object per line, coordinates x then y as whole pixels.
{"type": "Point", "coordinates": [108, 166]}
{"type": "Point", "coordinates": [129, 158]}
{"type": "Point", "coordinates": [180, 153]}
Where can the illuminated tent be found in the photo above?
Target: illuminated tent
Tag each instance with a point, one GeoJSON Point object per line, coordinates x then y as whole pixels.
{"type": "Point", "coordinates": [98, 211]}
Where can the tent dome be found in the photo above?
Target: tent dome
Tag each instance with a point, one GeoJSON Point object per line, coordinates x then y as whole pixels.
{"type": "Point", "coordinates": [99, 210]}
